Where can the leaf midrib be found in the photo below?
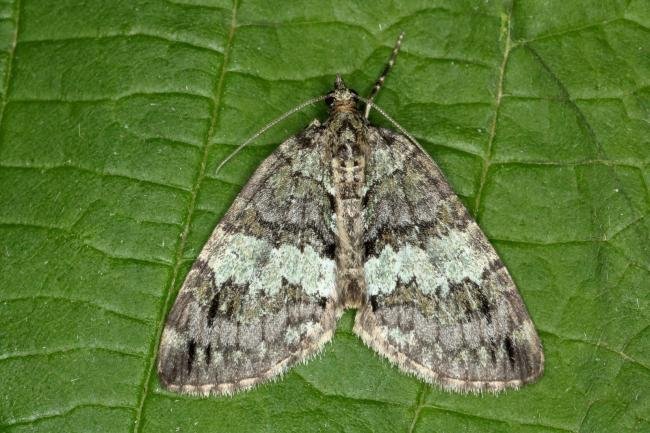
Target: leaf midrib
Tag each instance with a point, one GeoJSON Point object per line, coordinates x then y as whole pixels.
{"type": "Point", "coordinates": [177, 263]}
{"type": "Point", "coordinates": [10, 61]}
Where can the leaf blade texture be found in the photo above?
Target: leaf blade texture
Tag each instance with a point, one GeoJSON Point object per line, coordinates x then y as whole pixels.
{"type": "Point", "coordinates": [114, 117]}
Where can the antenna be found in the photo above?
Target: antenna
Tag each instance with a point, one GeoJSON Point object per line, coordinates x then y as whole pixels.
{"type": "Point", "coordinates": [268, 126]}
{"type": "Point", "coordinates": [382, 77]}
{"type": "Point", "coordinates": [399, 127]}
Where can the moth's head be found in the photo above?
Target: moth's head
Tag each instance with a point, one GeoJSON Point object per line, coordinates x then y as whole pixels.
{"type": "Point", "coordinates": [341, 99]}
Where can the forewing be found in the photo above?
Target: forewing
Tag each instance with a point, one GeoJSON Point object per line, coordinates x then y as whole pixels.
{"type": "Point", "coordinates": [261, 296]}
{"type": "Point", "coordinates": [441, 304]}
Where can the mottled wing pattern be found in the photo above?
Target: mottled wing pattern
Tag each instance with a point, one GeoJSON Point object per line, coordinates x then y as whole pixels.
{"type": "Point", "coordinates": [261, 296]}
{"type": "Point", "coordinates": [441, 304]}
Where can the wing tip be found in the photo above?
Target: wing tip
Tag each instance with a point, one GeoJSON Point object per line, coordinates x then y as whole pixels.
{"type": "Point", "coordinates": [432, 377]}
{"type": "Point", "coordinates": [224, 388]}
{"type": "Point", "coordinates": [234, 387]}
{"type": "Point", "coordinates": [206, 390]}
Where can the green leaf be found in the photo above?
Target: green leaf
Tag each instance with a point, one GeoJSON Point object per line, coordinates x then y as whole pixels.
{"type": "Point", "coordinates": [114, 116]}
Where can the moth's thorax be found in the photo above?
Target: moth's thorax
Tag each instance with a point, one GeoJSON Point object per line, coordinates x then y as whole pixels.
{"type": "Point", "coordinates": [349, 152]}
{"type": "Point", "coordinates": [348, 130]}
{"type": "Point", "coordinates": [347, 105]}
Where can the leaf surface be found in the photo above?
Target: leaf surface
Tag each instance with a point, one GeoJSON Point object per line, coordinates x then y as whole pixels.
{"type": "Point", "coordinates": [115, 115]}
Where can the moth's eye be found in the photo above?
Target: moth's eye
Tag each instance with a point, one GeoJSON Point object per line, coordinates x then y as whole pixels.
{"type": "Point", "coordinates": [329, 100]}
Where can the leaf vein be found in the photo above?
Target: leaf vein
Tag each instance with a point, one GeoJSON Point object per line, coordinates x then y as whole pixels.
{"type": "Point", "coordinates": [505, 28]}
{"type": "Point", "coordinates": [167, 296]}
{"type": "Point", "coordinates": [128, 35]}
{"type": "Point", "coordinates": [44, 417]}
{"type": "Point", "coordinates": [10, 61]}
{"type": "Point", "coordinates": [66, 350]}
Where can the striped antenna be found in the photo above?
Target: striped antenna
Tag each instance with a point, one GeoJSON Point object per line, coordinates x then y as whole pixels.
{"type": "Point", "coordinates": [382, 77]}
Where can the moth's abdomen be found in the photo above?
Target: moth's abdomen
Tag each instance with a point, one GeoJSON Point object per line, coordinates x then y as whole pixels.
{"type": "Point", "coordinates": [348, 176]}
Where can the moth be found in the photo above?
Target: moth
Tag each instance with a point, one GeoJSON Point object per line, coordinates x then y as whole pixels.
{"type": "Point", "coordinates": [348, 215]}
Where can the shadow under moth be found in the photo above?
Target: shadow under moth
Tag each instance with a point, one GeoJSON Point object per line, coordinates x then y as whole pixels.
{"type": "Point", "coordinates": [348, 215]}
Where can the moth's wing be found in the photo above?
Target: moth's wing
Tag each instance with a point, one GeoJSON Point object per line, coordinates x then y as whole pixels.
{"type": "Point", "coordinates": [261, 296]}
{"type": "Point", "coordinates": [441, 304]}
